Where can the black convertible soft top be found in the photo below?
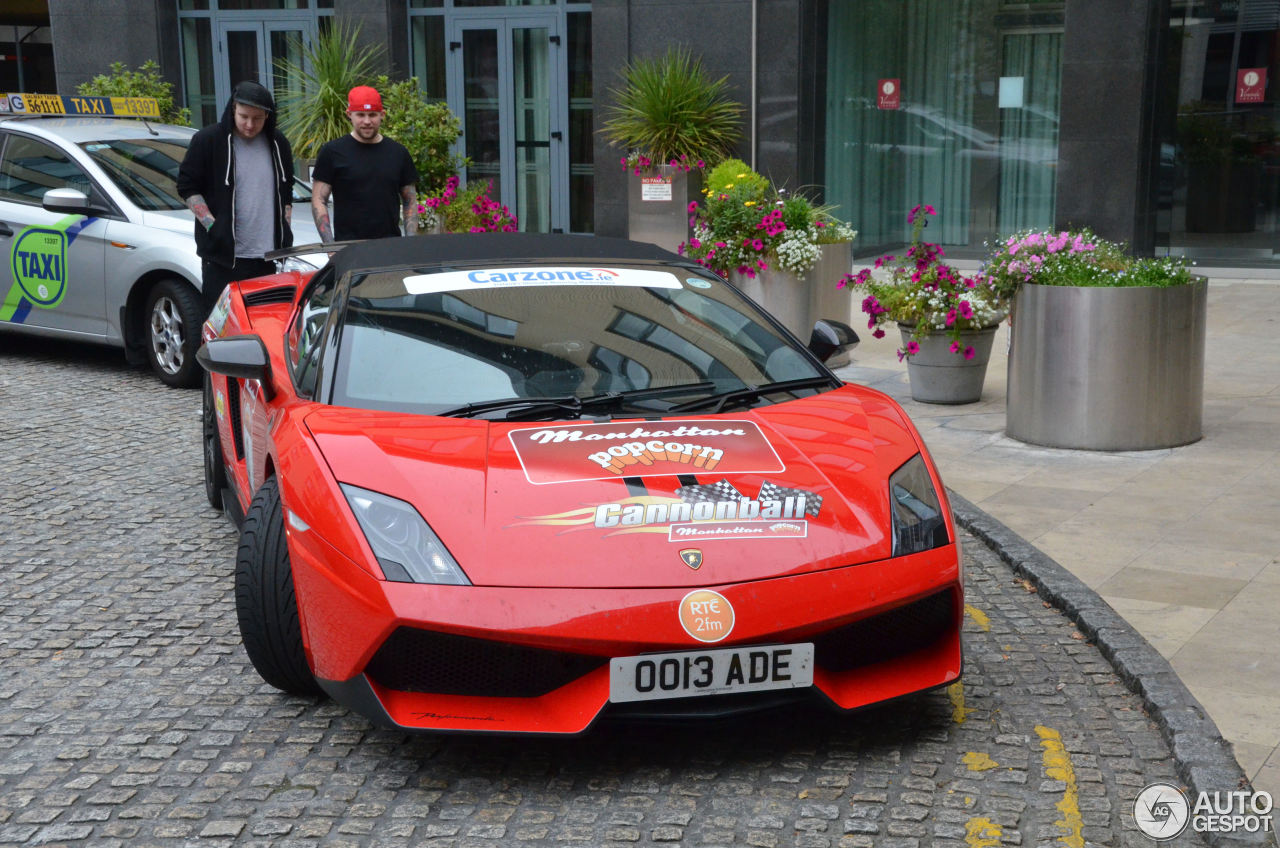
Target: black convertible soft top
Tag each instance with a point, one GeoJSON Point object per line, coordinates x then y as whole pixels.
{"type": "Point", "coordinates": [501, 248]}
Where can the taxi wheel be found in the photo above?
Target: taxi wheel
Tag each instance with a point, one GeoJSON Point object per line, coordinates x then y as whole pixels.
{"type": "Point", "coordinates": [174, 317]}
{"type": "Point", "coordinates": [266, 605]}
{"type": "Point", "coordinates": [215, 473]}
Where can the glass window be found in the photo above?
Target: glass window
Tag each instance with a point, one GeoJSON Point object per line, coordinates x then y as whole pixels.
{"type": "Point", "coordinates": [197, 64]}
{"type": "Point", "coordinates": [146, 170]}
{"type": "Point", "coordinates": [429, 55]}
{"type": "Point", "coordinates": [30, 168]}
{"type": "Point", "coordinates": [303, 343]}
{"type": "Point", "coordinates": [581, 118]}
{"type": "Point", "coordinates": [404, 346]}
{"type": "Point", "coordinates": [1218, 166]}
{"type": "Point", "coordinates": [921, 109]}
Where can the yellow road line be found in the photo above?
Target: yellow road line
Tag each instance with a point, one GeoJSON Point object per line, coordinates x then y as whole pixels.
{"type": "Point", "coordinates": [977, 761]}
{"type": "Point", "coordinates": [981, 833]}
{"type": "Point", "coordinates": [1057, 765]}
{"type": "Point", "coordinates": [979, 617]}
{"type": "Point", "coordinates": [958, 710]}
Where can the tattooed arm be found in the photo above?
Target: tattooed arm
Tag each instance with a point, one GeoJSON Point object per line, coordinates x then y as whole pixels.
{"type": "Point", "coordinates": [320, 192]}
{"type": "Point", "coordinates": [409, 207]}
{"type": "Point", "coordinates": [200, 209]}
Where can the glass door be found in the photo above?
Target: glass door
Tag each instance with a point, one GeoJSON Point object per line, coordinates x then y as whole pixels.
{"type": "Point", "coordinates": [504, 84]}
{"type": "Point", "coordinates": [249, 50]}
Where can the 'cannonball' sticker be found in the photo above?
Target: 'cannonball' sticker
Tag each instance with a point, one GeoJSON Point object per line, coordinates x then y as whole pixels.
{"type": "Point", "coordinates": [706, 615]}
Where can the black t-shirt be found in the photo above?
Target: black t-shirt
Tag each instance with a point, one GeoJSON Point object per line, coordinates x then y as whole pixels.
{"type": "Point", "coordinates": [366, 180]}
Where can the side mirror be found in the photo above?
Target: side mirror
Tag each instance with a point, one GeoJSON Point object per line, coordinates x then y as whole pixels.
{"type": "Point", "coordinates": [68, 201]}
{"type": "Point", "coordinates": [831, 337]}
{"type": "Point", "coordinates": [244, 357]}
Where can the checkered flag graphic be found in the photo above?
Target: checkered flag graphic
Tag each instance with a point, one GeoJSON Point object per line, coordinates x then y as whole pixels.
{"type": "Point", "coordinates": [719, 491]}
{"type": "Point", "coordinates": [770, 491]}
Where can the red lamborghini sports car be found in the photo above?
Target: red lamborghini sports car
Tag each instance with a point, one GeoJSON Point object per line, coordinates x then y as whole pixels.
{"type": "Point", "coordinates": [516, 483]}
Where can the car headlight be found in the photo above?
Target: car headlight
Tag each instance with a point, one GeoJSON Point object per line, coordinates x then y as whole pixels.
{"type": "Point", "coordinates": [302, 264]}
{"type": "Point", "coordinates": [406, 548]}
{"type": "Point", "coordinates": [918, 522]}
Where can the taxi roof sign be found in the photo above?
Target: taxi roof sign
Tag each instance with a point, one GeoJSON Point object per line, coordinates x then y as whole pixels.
{"type": "Point", "coordinates": [56, 104]}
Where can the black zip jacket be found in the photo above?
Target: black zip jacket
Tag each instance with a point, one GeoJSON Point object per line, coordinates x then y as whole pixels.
{"type": "Point", "coordinates": [209, 169]}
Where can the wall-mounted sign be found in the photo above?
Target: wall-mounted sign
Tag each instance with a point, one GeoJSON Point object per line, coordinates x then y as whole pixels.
{"type": "Point", "coordinates": [888, 94]}
{"type": "Point", "coordinates": [655, 189]}
{"type": "Point", "coordinates": [1251, 85]}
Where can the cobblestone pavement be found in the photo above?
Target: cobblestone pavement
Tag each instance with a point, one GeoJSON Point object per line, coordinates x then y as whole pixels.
{"type": "Point", "coordinates": [129, 714]}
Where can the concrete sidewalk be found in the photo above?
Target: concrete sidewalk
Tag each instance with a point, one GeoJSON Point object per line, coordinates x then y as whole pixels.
{"type": "Point", "coordinates": [1183, 543]}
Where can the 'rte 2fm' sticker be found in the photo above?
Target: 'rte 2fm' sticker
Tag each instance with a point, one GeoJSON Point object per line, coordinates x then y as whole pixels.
{"type": "Point", "coordinates": [39, 261]}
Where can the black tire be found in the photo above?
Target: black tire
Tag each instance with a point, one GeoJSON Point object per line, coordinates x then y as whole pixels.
{"type": "Point", "coordinates": [215, 472]}
{"type": "Point", "coordinates": [171, 332]}
{"type": "Point", "coordinates": [266, 605]}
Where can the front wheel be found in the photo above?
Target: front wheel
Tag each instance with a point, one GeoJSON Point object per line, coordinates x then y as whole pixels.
{"type": "Point", "coordinates": [266, 605]}
{"type": "Point", "coordinates": [215, 472]}
{"type": "Point", "coordinates": [174, 317]}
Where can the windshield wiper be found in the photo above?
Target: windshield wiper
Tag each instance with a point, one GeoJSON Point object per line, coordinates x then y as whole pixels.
{"type": "Point", "coordinates": [631, 395]}
{"type": "Point", "coordinates": [720, 400]}
{"type": "Point", "coordinates": [525, 406]}
{"type": "Point", "coordinates": [521, 407]}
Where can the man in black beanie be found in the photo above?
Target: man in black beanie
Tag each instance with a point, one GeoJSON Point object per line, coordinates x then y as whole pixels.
{"type": "Point", "coordinates": [237, 178]}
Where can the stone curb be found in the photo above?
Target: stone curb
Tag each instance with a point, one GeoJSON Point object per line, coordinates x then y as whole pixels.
{"type": "Point", "coordinates": [1202, 758]}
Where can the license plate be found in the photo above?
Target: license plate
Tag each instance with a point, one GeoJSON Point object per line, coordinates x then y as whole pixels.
{"type": "Point", "coordinates": [756, 668]}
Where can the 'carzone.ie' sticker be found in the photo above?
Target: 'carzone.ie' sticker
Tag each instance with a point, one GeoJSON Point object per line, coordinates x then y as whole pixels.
{"type": "Point", "coordinates": [497, 278]}
{"type": "Point", "coordinates": [698, 283]}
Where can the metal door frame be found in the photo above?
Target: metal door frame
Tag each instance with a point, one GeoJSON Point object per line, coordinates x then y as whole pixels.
{"type": "Point", "coordinates": [557, 76]}
{"type": "Point", "coordinates": [263, 26]}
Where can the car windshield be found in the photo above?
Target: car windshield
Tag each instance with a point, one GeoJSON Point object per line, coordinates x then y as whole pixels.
{"type": "Point", "coordinates": [145, 169]}
{"type": "Point", "coordinates": [560, 340]}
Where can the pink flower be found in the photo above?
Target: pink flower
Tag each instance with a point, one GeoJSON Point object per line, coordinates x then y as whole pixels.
{"type": "Point", "coordinates": [913, 347]}
{"type": "Point", "coordinates": [969, 353]}
{"type": "Point", "coordinates": [693, 206]}
{"type": "Point", "coordinates": [877, 333]}
{"type": "Point", "coordinates": [955, 347]}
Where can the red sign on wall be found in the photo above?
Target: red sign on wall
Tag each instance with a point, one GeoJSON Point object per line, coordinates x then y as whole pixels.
{"type": "Point", "coordinates": [888, 94]}
{"type": "Point", "coordinates": [1251, 85]}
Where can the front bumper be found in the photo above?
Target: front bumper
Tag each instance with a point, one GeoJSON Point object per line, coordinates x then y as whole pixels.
{"type": "Point", "coordinates": [521, 660]}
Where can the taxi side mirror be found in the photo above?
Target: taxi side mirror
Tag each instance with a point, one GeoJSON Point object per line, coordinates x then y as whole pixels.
{"type": "Point", "coordinates": [68, 201]}
{"type": "Point", "coordinates": [244, 357]}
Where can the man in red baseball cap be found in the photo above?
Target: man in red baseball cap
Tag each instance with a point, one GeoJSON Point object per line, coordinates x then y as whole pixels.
{"type": "Point", "coordinates": [368, 174]}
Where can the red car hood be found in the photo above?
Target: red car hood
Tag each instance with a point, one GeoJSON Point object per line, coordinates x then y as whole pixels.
{"type": "Point", "coordinates": [785, 489]}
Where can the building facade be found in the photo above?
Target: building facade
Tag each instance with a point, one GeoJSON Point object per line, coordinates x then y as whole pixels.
{"type": "Point", "coordinates": [1150, 121]}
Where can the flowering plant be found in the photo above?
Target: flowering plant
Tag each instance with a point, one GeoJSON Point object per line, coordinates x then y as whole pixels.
{"type": "Point", "coordinates": [924, 291]}
{"type": "Point", "coordinates": [746, 225]}
{"type": "Point", "coordinates": [1075, 258]}
{"type": "Point", "coordinates": [467, 210]}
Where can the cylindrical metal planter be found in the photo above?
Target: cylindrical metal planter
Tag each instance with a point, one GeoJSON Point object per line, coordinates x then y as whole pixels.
{"type": "Point", "coordinates": [799, 301]}
{"type": "Point", "coordinates": [939, 376]}
{"type": "Point", "coordinates": [1100, 368]}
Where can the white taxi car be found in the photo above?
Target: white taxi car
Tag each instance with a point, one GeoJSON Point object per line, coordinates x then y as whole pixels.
{"type": "Point", "coordinates": [97, 244]}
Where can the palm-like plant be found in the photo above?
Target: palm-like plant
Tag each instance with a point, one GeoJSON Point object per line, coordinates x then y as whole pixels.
{"type": "Point", "coordinates": [313, 109]}
{"type": "Point", "coordinates": [670, 109]}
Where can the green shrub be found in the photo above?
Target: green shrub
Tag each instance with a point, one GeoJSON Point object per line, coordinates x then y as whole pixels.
{"type": "Point", "coordinates": [427, 129]}
{"type": "Point", "coordinates": [144, 82]}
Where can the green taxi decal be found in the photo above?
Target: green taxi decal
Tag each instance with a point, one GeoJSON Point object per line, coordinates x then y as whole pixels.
{"type": "Point", "coordinates": [38, 260]}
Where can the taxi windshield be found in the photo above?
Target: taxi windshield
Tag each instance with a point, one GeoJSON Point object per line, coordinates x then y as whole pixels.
{"type": "Point", "coordinates": [434, 341]}
{"type": "Point", "coordinates": [144, 169]}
